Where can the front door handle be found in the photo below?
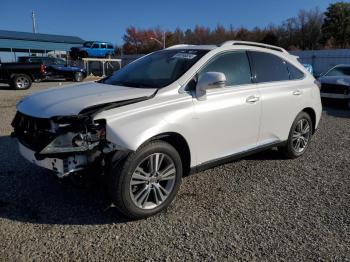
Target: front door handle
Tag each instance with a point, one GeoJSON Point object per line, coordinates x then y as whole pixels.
{"type": "Point", "coordinates": [297, 93]}
{"type": "Point", "coordinates": [252, 99]}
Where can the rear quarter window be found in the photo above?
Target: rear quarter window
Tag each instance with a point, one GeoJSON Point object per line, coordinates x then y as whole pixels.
{"type": "Point", "coordinates": [268, 67]}
{"type": "Point", "coordinates": [294, 73]}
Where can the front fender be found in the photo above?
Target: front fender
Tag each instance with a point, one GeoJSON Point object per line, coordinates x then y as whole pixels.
{"type": "Point", "coordinates": [130, 130]}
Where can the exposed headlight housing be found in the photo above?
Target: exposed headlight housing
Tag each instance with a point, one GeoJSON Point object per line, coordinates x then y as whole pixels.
{"type": "Point", "coordinates": [88, 137]}
{"type": "Point", "coordinates": [68, 143]}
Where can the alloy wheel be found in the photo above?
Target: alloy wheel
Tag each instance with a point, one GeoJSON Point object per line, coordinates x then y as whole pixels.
{"type": "Point", "coordinates": [152, 181]}
{"type": "Point", "coordinates": [78, 77]}
{"type": "Point", "coordinates": [22, 82]}
{"type": "Point", "coordinates": [301, 135]}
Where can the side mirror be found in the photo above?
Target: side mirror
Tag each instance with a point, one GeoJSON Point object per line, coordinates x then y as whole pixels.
{"type": "Point", "coordinates": [209, 80]}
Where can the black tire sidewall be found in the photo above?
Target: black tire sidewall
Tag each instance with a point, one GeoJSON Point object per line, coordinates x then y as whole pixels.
{"type": "Point", "coordinates": [123, 170]}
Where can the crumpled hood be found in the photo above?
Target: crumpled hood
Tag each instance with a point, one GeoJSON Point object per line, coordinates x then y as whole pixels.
{"type": "Point", "coordinates": [335, 80]}
{"type": "Point", "coordinates": [71, 99]}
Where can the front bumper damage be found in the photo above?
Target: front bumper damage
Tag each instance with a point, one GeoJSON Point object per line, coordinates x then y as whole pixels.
{"type": "Point", "coordinates": [63, 167]}
{"type": "Point", "coordinates": [62, 144]}
{"type": "Point", "coordinates": [67, 144]}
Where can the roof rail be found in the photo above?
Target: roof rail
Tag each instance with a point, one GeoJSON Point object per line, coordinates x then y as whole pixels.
{"type": "Point", "coordinates": [256, 44]}
{"type": "Point", "coordinates": [179, 45]}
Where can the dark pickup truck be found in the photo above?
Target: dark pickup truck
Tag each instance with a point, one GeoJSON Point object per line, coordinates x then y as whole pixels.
{"type": "Point", "coordinates": [21, 75]}
{"type": "Point", "coordinates": [56, 68]}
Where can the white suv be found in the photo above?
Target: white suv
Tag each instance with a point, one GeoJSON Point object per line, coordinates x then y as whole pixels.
{"type": "Point", "coordinates": [170, 113]}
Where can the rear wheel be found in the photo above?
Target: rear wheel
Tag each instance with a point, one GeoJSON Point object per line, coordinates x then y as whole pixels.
{"type": "Point", "coordinates": [78, 77]}
{"type": "Point", "coordinates": [21, 82]}
{"type": "Point", "coordinates": [147, 181]}
{"type": "Point", "coordinates": [299, 136]}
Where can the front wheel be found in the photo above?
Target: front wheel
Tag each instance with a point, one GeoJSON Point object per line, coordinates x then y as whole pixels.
{"type": "Point", "coordinates": [299, 136]}
{"type": "Point", "coordinates": [147, 181]}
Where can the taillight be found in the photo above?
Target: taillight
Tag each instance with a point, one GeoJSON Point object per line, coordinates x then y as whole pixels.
{"type": "Point", "coordinates": [318, 83]}
{"type": "Point", "coordinates": [42, 68]}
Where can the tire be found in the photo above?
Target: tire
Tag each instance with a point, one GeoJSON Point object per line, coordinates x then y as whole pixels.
{"type": "Point", "coordinates": [21, 82]}
{"type": "Point", "coordinates": [137, 191]}
{"type": "Point", "coordinates": [299, 136]}
{"type": "Point", "coordinates": [78, 77]}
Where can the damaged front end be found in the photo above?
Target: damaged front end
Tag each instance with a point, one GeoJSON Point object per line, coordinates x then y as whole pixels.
{"type": "Point", "coordinates": [67, 144]}
{"type": "Point", "coordinates": [63, 144]}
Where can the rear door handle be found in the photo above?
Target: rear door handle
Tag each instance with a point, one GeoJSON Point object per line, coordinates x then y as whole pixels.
{"type": "Point", "coordinates": [252, 99]}
{"type": "Point", "coordinates": [297, 93]}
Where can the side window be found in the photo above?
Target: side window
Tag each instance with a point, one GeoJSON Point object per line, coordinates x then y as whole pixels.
{"type": "Point", "coordinates": [95, 46]}
{"type": "Point", "coordinates": [103, 45]}
{"type": "Point", "coordinates": [234, 65]}
{"type": "Point", "coordinates": [294, 73]}
{"type": "Point", "coordinates": [109, 46]}
{"type": "Point", "coordinates": [268, 67]}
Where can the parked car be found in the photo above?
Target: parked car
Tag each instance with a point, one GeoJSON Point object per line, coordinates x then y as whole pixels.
{"type": "Point", "coordinates": [56, 68]}
{"type": "Point", "coordinates": [175, 111]}
{"type": "Point", "coordinates": [335, 84]}
{"type": "Point", "coordinates": [93, 49]}
{"type": "Point", "coordinates": [21, 75]}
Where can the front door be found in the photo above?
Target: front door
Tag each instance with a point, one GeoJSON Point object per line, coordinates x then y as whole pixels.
{"type": "Point", "coordinates": [228, 120]}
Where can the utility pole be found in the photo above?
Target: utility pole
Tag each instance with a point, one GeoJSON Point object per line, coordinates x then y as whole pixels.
{"type": "Point", "coordinates": [159, 42]}
{"type": "Point", "coordinates": [34, 22]}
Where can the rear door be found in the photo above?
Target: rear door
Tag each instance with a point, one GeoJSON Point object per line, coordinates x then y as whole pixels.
{"type": "Point", "coordinates": [228, 120]}
{"type": "Point", "coordinates": [280, 96]}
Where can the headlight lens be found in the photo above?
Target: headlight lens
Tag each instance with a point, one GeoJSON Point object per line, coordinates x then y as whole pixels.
{"type": "Point", "coordinates": [77, 135]}
{"type": "Point", "coordinates": [72, 142]}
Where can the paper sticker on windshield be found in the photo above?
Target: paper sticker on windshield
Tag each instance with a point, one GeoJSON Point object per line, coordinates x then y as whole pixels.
{"type": "Point", "coordinates": [184, 56]}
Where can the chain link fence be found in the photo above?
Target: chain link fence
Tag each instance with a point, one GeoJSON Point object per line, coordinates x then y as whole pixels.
{"type": "Point", "coordinates": [96, 66]}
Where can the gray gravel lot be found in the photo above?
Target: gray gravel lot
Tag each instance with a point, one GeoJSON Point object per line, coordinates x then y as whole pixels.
{"type": "Point", "coordinates": [262, 207]}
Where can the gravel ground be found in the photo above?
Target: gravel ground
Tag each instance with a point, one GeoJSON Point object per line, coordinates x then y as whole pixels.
{"type": "Point", "coordinates": [262, 207]}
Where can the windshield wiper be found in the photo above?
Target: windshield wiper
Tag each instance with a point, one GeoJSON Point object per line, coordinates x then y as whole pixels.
{"type": "Point", "coordinates": [131, 84]}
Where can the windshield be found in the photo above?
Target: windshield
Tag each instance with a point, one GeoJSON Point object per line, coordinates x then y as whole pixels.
{"type": "Point", "coordinates": [156, 70]}
{"type": "Point", "coordinates": [339, 71]}
{"type": "Point", "coordinates": [88, 44]}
